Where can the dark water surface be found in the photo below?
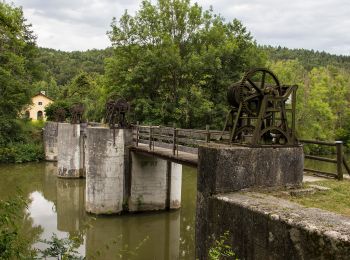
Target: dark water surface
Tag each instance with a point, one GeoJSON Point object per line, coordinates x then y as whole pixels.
{"type": "Point", "coordinates": [57, 206]}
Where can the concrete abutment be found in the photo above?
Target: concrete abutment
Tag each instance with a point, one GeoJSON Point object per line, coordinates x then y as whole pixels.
{"type": "Point", "coordinates": [261, 226]}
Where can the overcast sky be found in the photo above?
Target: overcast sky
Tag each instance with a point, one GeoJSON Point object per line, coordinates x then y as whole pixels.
{"type": "Point", "coordinates": [309, 24]}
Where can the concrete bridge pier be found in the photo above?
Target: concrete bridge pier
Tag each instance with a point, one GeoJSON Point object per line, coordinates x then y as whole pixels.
{"type": "Point", "coordinates": [107, 166]}
{"type": "Point", "coordinates": [70, 151]}
{"type": "Point", "coordinates": [155, 184]}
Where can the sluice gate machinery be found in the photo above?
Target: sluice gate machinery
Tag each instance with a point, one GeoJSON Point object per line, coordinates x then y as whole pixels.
{"type": "Point", "coordinates": [262, 111]}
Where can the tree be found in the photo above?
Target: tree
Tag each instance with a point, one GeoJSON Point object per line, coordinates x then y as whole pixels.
{"type": "Point", "coordinates": [17, 49]}
{"type": "Point", "coordinates": [323, 99]}
{"type": "Point", "coordinates": [173, 62]}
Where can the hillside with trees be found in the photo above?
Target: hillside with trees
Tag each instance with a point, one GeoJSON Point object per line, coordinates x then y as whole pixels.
{"type": "Point", "coordinates": [173, 61]}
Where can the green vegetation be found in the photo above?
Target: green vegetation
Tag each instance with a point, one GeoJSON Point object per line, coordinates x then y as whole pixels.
{"type": "Point", "coordinates": [27, 146]}
{"type": "Point", "coordinates": [308, 58]}
{"type": "Point", "coordinates": [323, 99]}
{"type": "Point", "coordinates": [173, 61]}
{"type": "Point", "coordinates": [15, 240]}
{"type": "Point", "coordinates": [337, 199]}
{"type": "Point", "coordinates": [61, 248]}
{"type": "Point", "coordinates": [221, 249]}
{"type": "Point", "coordinates": [17, 48]}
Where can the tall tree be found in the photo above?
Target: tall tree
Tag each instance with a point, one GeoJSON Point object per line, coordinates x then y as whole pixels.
{"type": "Point", "coordinates": [174, 61]}
{"type": "Point", "coordinates": [17, 49]}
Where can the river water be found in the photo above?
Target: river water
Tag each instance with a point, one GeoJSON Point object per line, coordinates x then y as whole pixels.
{"type": "Point", "coordinates": [57, 207]}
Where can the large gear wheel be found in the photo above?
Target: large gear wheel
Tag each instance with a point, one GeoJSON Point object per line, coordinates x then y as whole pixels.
{"type": "Point", "coordinates": [258, 81]}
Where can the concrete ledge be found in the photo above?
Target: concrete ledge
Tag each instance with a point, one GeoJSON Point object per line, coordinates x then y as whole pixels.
{"type": "Point", "coordinates": [265, 227]}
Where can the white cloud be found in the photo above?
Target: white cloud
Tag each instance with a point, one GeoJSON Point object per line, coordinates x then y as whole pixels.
{"type": "Point", "coordinates": [310, 24]}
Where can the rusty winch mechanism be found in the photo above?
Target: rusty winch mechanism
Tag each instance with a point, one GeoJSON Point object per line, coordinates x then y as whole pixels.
{"type": "Point", "coordinates": [77, 111]}
{"type": "Point", "coordinates": [116, 110]}
{"type": "Point", "coordinates": [262, 111]}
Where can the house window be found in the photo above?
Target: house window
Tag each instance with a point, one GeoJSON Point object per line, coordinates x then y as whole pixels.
{"type": "Point", "coordinates": [40, 103]}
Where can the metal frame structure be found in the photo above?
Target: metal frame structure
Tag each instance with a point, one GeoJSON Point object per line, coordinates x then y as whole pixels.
{"type": "Point", "coordinates": [259, 108]}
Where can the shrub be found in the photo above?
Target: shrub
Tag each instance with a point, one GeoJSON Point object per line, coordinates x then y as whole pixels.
{"type": "Point", "coordinates": [51, 109]}
{"type": "Point", "coordinates": [19, 153]}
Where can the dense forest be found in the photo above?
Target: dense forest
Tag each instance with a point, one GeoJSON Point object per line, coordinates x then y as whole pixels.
{"type": "Point", "coordinates": [173, 61]}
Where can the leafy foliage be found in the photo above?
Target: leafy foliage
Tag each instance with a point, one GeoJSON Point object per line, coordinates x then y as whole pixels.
{"type": "Point", "coordinates": [221, 249]}
{"type": "Point", "coordinates": [17, 48]}
{"type": "Point", "coordinates": [309, 59]}
{"type": "Point", "coordinates": [65, 249]}
{"type": "Point", "coordinates": [13, 244]}
{"type": "Point", "coordinates": [51, 109]}
{"type": "Point", "coordinates": [323, 99]}
{"type": "Point", "coordinates": [173, 62]}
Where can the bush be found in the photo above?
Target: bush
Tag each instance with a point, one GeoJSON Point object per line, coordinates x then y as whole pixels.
{"type": "Point", "coordinates": [26, 146]}
{"type": "Point", "coordinates": [51, 109]}
{"type": "Point", "coordinates": [20, 153]}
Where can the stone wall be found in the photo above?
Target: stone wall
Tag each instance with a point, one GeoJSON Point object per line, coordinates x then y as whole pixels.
{"type": "Point", "coordinates": [265, 227]}
{"type": "Point", "coordinates": [50, 141]}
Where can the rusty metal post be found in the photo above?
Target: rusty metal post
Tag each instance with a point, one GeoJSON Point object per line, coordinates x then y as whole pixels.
{"type": "Point", "coordinates": [174, 139]}
{"type": "Point", "coordinates": [150, 138]}
{"type": "Point", "coordinates": [207, 138]}
{"type": "Point", "coordinates": [339, 146]}
{"type": "Point", "coordinates": [137, 133]}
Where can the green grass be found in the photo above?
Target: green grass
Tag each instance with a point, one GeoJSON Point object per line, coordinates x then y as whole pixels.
{"type": "Point", "coordinates": [337, 199]}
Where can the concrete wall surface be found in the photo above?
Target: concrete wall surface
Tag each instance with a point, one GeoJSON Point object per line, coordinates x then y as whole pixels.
{"type": "Point", "coordinates": [69, 151]}
{"type": "Point", "coordinates": [106, 166]}
{"type": "Point", "coordinates": [265, 227]}
{"type": "Point", "coordinates": [232, 168]}
{"type": "Point", "coordinates": [155, 184]}
{"type": "Point", "coordinates": [50, 141]}
{"type": "Point", "coordinates": [148, 183]}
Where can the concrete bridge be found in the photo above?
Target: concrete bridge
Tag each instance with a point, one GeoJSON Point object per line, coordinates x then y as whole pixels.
{"type": "Point", "coordinates": [140, 169]}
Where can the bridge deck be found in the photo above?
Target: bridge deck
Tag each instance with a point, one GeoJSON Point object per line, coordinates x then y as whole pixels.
{"type": "Point", "coordinates": [186, 158]}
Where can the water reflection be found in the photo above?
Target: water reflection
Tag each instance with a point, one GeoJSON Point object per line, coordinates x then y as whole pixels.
{"type": "Point", "coordinates": [57, 206]}
{"type": "Point", "coordinates": [69, 207]}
